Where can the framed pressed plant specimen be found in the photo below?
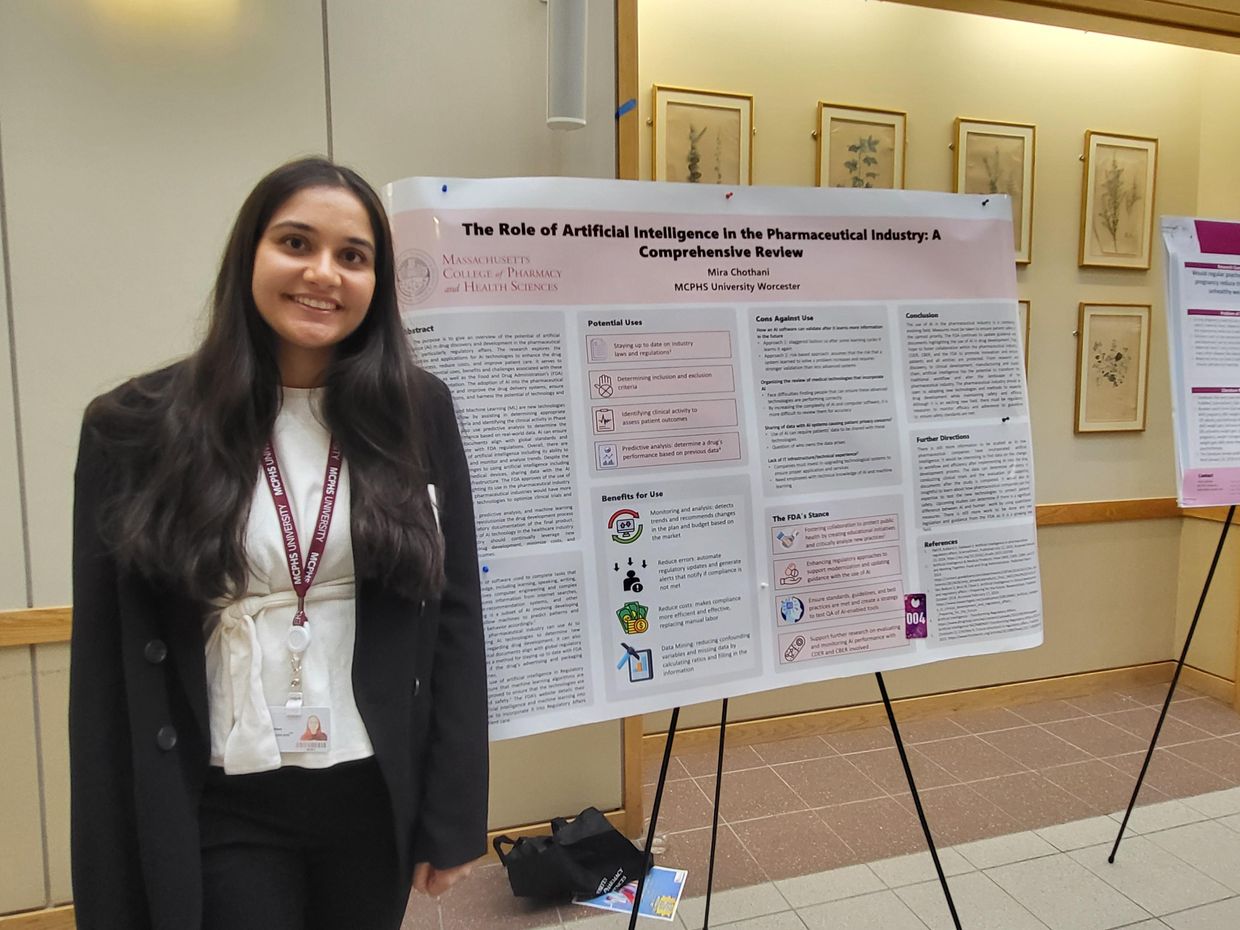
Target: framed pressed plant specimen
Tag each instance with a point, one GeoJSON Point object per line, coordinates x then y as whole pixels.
{"type": "Point", "coordinates": [1023, 309]}
{"type": "Point", "coordinates": [860, 146]}
{"type": "Point", "coordinates": [702, 136]}
{"type": "Point", "coordinates": [1117, 201]}
{"type": "Point", "coordinates": [998, 158]}
{"type": "Point", "coordinates": [1113, 363]}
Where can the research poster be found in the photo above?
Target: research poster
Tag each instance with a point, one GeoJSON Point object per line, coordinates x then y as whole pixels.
{"type": "Point", "coordinates": [1203, 328]}
{"type": "Point", "coordinates": [725, 440]}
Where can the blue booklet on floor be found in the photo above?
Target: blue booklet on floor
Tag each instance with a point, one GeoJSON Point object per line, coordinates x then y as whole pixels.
{"type": "Point", "coordinates": [660, 896]}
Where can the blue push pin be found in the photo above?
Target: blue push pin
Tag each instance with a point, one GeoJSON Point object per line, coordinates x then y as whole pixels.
{"type": "Point", "coordinates": [485, 569]}
{"type": "Point", "coordinates": [444, 188]}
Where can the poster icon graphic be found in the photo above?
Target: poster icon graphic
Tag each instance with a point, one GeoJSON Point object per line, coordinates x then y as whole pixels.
{"type": "Point", "coordinates": [632, 617]}
{"type": "Point", "coordinates": [632, 582]}
{"type": "Point", "coordinates": [625, 526]}
{"type": "Point", "coordinates": [791, 609]}
{"type": "Point", "coordinates": [606, 454]}
{"type": "Point", "coordinates": [604, 420]}
{"type": "Point", "coordinates": [603, 386]}
{"type": "Point", "coordinates": [794, 649]}
{"type": "Point", "coordinates": [791, 575]}
{"type": "Point", "coordinates": [598, 349]}
{"type": "Point", "coordinates": [915, 623]}
{"type": "Point", "coordinates": [641, 665]}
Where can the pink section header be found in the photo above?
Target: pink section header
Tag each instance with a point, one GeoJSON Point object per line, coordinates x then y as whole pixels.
{"type": "Point", "coordinates": [1217, 237]}
{"type": "Point", "coordinates": [1213, 312]}
{"type": "Point", "coordinates": [548, 257]}
{"type": "Point", "coordinates": [1214, 265]}
{"type": "Point", "coordinates": [1216, 390]}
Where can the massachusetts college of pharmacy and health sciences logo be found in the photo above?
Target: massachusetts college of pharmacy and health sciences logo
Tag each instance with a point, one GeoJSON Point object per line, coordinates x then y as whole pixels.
{"type": "Point", "coordinates": [416, 276]}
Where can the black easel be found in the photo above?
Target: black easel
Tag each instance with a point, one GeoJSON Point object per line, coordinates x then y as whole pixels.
{"type": "Point", "coordinates": [1188, 641]}
{"type": "Point", "coordinates": [921, 814]}
{"type": "Point", "coordinates": [654, 815]}
{"type": "Point", "coordinates": [714, 827]}
{"type": "Point", "coordinates": [714, 832]}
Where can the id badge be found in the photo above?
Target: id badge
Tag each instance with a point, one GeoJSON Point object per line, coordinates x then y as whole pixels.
{"type": "Point", "coordinates": [307, 729]}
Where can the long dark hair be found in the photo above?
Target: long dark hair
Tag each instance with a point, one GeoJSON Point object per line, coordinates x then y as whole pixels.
{"type": "Point", "coordinates": [190, 441]}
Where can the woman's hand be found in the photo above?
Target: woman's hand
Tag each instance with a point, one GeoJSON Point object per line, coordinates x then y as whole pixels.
{"type": "Point", "coordinates": [430, 880]}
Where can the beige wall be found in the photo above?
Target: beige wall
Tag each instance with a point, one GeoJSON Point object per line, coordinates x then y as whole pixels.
{"type": "Point", "coordinates": [12, 552]}
{"type": "Point", "coordinates": [127, 145]}
{"type": "Point", "coordinates": [1214, 642]}
{"type": "Point", "coordinates": [937, 66]}
{"type": "Point", "coordinates": [1218, 195]}
{"type": "Point", "coordinates": [1113, 593]}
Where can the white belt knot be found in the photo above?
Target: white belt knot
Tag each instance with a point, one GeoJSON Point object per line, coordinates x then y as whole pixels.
{"type": "Point", "coordinates": [242, 722]}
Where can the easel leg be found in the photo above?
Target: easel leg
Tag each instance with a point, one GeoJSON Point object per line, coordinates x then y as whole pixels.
{"type": "Point", "coordinates": [1179, 667]}
{"type": "Point", "coordinates": [654, 817]}
{"type": "Point", "coordinates": [714, 828]}
{"type": "Point", "coordinates": [921, 814]}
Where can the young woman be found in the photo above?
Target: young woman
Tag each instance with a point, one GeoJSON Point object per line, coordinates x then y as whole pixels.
{"type": "Point", "coordinates": [274, 532]}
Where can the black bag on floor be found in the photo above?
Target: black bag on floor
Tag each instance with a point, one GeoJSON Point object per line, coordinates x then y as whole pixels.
{"type": "Point", "coordinates": [585, 855]}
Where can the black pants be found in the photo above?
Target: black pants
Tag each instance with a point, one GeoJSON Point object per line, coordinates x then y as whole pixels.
{"type": "Point", "coordinates": [300, 849]}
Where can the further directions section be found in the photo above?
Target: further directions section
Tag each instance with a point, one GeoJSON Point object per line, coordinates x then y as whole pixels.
{"type": "Point", "coordinates": [980, 473]}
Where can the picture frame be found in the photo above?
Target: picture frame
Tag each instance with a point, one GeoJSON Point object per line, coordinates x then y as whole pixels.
{"type": "Point", "coordinates": [1113, 364]}
{"type": "Point", "coordinates": [861, 146]}
{"type": "Point", "coordinates": [701, 136]}
{"type": "Point", "coordinates": [999, 158]}
{"type": "Point", "coordinates": [1024, 310]}
{"type": "Point", "coordinates": [1117, 201]}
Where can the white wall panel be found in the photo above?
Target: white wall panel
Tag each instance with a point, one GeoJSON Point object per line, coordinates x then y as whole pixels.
{"type": "Point", "coordinates": [12, 555]}
{"type": "Point", "coordinates": [458, 88]}
{"type": "Point", "coordinates": [128, 146]}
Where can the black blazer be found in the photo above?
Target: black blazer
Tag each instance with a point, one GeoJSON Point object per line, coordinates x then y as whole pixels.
{"type": "Point", "coordinates": [138, 733]}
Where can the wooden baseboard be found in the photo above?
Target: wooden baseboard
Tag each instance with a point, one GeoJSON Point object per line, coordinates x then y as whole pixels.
{"type": "Point", "coordinates": [35, 625]}
{"type": "Point", "coordinates": [1215, 686]}
{"type": "Point", "coordinates": [857, 716]}
{"type": "Point", "coordinates": [1117, 511]}
{"type": "Point", "coordinates": [1213, 514]}
{"type": "Point", "coordinates": [48, 918]}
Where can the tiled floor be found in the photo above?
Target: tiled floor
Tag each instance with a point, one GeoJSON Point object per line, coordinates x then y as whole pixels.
{"type": "Point", "coordinates": [820, 831]}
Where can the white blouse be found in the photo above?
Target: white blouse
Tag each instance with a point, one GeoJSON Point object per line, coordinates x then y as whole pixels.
{"type": "Point", "coordinates": [247, 649]}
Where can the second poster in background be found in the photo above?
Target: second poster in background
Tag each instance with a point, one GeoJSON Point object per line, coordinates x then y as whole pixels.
{"type": "Point", "coordinates": [726, 443]}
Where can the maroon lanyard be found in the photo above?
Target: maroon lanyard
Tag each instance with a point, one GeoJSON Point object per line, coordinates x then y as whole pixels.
{"type": "Point", "coordinates": [299, 572]}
